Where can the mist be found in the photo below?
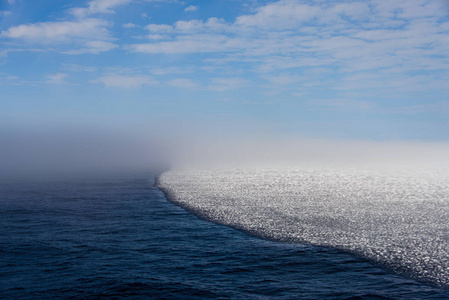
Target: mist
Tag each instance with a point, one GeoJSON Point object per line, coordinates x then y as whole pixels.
{"type": "Point", "coordinates": [41, 153]}
{"type": "Point", "coordinates": [279, 152]}
{"type": "Point", "coordinates": [81, 151]}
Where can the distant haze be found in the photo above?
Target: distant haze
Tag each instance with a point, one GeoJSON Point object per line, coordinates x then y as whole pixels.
{"type": "Point", "coordinates": [84, 150]}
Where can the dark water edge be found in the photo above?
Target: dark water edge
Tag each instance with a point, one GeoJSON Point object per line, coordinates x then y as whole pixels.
{"type": "Point", "coordinates": [120, 238]}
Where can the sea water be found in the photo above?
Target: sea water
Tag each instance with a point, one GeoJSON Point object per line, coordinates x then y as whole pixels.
{"type": "Point", "coordinates": [120, 238]}
{"type": "Point", "coordinates": [395, 218]}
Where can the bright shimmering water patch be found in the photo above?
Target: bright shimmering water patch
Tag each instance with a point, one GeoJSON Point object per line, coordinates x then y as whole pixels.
{"type": "Point", "coordinates": [399, 219]}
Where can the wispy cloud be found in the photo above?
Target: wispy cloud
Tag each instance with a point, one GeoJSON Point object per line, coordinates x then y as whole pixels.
{"type": "Point", "coordinates": [191, 8]}
{"type": "Point", "coordinates": [73, 37]}
{"type": "Point", "coordinates": [49, 32]}
{"type": "Point", "coordinates": [171, 70]}
{"type": "Point", "coordinates": [103, 7]}
{"type": "Point", "coordinates": [5, 52]}
{"type": "Point", "coordinates": [98, 6]}
{"type": "Point", "coordinates": [129, 25]}
{"type": "Point", "coordinates": [84, 34]}
{"type": "Point", "coordinates": [347, 37]}
{"type": "Point", "coordinates": [58, 78]}
{"type": "Point", "coordinates": [125, 81]}
{"type": "Point", "coordinates": [182, 83]}
{"type": "Point", "coordinates": [8, 79]}
{"type": "Point", "coordinates": [344, 104]}
{"type": "Point", "coordinates": [79, 68]}
{"type": "Point", "coordinates": [229, 83]}
{"type": "Point", "coordinates": [93, 47]}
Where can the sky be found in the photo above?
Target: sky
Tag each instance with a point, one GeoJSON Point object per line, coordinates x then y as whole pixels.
{"type": "Point", "coordinates": [357, 70]}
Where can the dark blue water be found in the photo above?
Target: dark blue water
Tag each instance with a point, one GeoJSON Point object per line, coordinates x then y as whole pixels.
{"type": "Point", "coordinates": [121, 238]}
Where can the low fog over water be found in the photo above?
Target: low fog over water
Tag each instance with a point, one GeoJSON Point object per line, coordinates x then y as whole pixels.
{"type": "Point", "coordinates": [85, 150]}
{"type": "Point", "coordinates": [80, 151]}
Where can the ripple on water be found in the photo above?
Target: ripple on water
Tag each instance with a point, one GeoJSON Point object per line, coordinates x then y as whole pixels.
{"type": "Point", "coordinates": [121, 238]}
{"type": "Point", "coordinates": [398, 219]}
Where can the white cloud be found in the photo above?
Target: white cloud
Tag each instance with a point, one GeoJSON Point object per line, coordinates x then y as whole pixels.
{"type": "Point", "coordinates": [156, 37]}
{"type": "Point", "coordinates": [79, 68]}
{"type": "Point", "coordinates": [346, 36]}
{"type": "Point", "coordinates": [191, 8]}
{"type": "Point", "coordinates": [82, 36]}
{"type": "Point", "coordinates": [129, 25]}
{"type": "Point", "coordinates": [197, 26]}
{"type": "Point", "coordinates": [354, 10]}
{"type": "Point", "coordinates": [125, 81]}
{"type": "Point", "coordinates": [5, 13]}
{"type": "Point", "coordinates": [192, 44]}
{"type": "Point", "coordinates": [48, 32]}
{"type": "Point", "coordinates": [5, 52]}
{"type": "Point", "coordinates": [93, 47]}
{"type": "Point", "coordinates": [102, 7]}
{"type": "Point", "coordinates": [98, 6]}
{"type": "Point", "coordinates": [282, 14]}
{"type": "Point", "coordinates": [159, 28]}
{"type": "Point", "coordinates": [176, 47]}
{"type": "Point", "coordinates": [58, 78]}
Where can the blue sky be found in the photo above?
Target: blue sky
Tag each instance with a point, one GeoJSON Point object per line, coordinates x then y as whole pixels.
{"type": "Point", "coordinates": [369, 70]}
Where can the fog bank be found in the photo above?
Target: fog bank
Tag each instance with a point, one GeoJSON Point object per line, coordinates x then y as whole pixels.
{"type": "Point", "coordinates": [87, 150]}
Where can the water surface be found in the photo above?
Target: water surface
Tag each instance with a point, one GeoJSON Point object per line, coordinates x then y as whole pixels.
{"type": "Point", "coordinates": [397, 218]}
{"type": "Point", "coordinates": [121, 238]}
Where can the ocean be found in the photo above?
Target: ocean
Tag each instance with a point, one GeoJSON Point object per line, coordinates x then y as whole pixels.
{"type": "Point", "coordinates": [120, 237]}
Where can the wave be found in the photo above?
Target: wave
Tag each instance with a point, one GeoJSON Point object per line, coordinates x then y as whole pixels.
{"type": "Point", "coordinates": [397, 219]}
